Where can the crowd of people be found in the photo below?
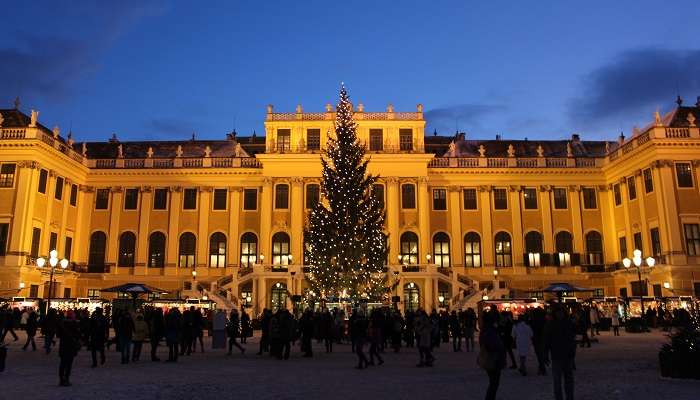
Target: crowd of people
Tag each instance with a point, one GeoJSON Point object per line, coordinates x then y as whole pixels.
{"type": "Point", "coordinates": [551, 336]}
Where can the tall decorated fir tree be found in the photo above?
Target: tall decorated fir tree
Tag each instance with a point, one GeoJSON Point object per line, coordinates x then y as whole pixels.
{"type": "Point", "coordinates": [346, 246]}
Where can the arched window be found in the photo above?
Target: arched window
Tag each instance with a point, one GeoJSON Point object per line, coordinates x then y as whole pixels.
{"type": "Point", "coordinates": [441, 250]}
{"type": "Point", "coordinates": [472, 250]}
{"type": "Point", "coordinates": [98, 245]}
{"type": "Point", "coordinates": [504, 254]}
{"type": "Point", "coordinates": [188, 245]}
{"type": "Point", "coordinates": [217, 250]}
{"type": "Point", "coordinates": [563, 243]}
{"type": "Point", "coordinates": [127, 249]}
{"type": "Point", "coordinates": [411, 297]}
{"type": "Point", "coordinates": [156, 250]}
{"type": "Point", "coordinates": [594, 248]}
{"type": "Point", "coordinates": [280, 249]}
{"type": "Point", "coordinates": [409, 248]}
{"type": "Point", "coordinates": [533, 248]}
{"type": "Point", "coordinates": [249, 249]}
{"type": "Point", "coordinates": [278, 296]}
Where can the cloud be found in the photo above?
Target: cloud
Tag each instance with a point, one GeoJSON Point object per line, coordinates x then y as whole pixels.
{"type": "Point", "coordinates": [461, 116]}
{"type": "Point", "coordinates": [634, 84]}
{"type": "Point", "coordinates": [46, 64]}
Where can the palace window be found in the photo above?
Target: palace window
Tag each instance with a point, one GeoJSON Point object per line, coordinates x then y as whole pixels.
{"type": "Point", "coordinates": [282, 196]}
{"type": "Point", "coordinates": [590, 201]}
{"type": "Point", "coordinates": [560, 201]}
{"type": "Point", "coordinates": [43, 177]}
{"type": "Point", "coordinates": [7, 175]}
{"type": "Point", "coordinates": [131, 199]}
{"type": "Point", "coordinates": [313, 139]}
{"type": "Point", "coordinates": [617, 194]}
{"type": "Point", "coordinates": [408, 196]}
{"type": "Point", "coordinates": [73, 194]}
{"type": "Point", "coordinates": [217, 250]}
{"type": "Point", "coordinates": [101, 199]}
{"type": "Point", "coordinates": [638, 241]}
{"type": "Point", "coordinates": [439, 199]}
{"type": "Point", "coordinates": [190, 199]}
{"type": "Point", "coordinates": [96, 254]}
{"type": "Point", "coordinates": [127, 249]}
{"type": "Point", "coordinates": [684, 175]}
{"type": "Point", "coordinates": [36, 242]}
{"type": "Point", "coordinates": [313, 194]}
{"type": "Point", "coordinates": [58, 191]}
{"type": "Point", "coordinates": [563, 243]}
{"type": "Point", "coordinates": [68, 247]}
{"type": "Point", "coordinates": [409, 248]}
{"type": "Point", "coordinates": [283, 140]}
{"type": "Point", "coordinates": [406, 139]}
{"type": "Point", "coordinates": [250, 199]}
{"type": "Point", "coordinates": [500, 199]}
{"type": "Point", "coordinates": [376, 140]}
{"type": "Point", "coordinates": [378, 191]}
{"type": "Point", "coordinates": [692, 239]}
{"type": "Point", "coordinates": [533, 248]}
{"type": "Point", "coordinates": [472, 250]}
{"type": "Point", "coordinates": [469, 199]}
{"type": "Point", "coordinates": [504, 254]}
{"type": "Point", "coordinates": [53, 240]}
{"type": "Point", "coordinates": [623, 247]}
{"type": "Point", "coordinates": [93, 293]}
{"type": "Point", "coordinates": [594, 248]}
{"type": "Point", "coordinates": [280, 249]}
{"type": "Point", "coordinates": [441, 250]}
{"type": "Point", "coordinates": [249, 249]}
{"type": "Point", "coordinates": [220, 196]}
{"type": "Point", "coordinates": [156, 250]}
{"type": "Point", "coordinates": [648, 181]}
{"type": "Point", "coordinates": [188, 246]}
{"type": "Point", "coordinates": [4, 230]}
{"type": "Point", "coordinates": [530, 198]}
{"type": "Point", "coordinates": [631, 188]}
{"type": "Point", "coordinates": [160, 199]}
{"type": "Point", "coordinates": [655, 242]}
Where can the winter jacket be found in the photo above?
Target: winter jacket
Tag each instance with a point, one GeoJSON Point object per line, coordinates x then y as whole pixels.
{"type": "Point", "coordinates": [140, 330]}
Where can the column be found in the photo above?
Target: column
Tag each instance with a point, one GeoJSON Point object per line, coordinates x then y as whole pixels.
{"type": "Point", "coordinates": [607, 210]}
{"type": "Point", "coordinates": [21, 232]}
{"type": "Point", "coordinates": [232, 248]}
{"type": "Point", "coordinates": [661, 209]}
{"type": "Point", "coordinates": [515, 209]}
{"type": "Point", "coordinates": [173, 222]}
{"type": "Point", "coordinates": [424, 218]}
{"type": "Point", "coordinates": [297, 208]}
{"type": "Point", "coordinates": [202, 253]}
{"type": "Point", "coordinates": [61, 243]}
{"type": "Point", "coordinates": [487, 254]}
{"type": "Point", "coordinates": [86, 202]}
{"type": "Point", "coordinates": [641, 197]}
{"type": "Point", "coordinates": [457, 242]}
{"type": "Point", "coordinates": [144, 224]}
{"type": "Point", "coordinates": [674, 235]}
{"type": "Point", "coordinates": [545, 202]}
{"type": "Point", "coordinates": [265, 219]}
{"type": "Point", "coordinates": [576, 220]}
{"type": "Point", "coordinates": [393, 205]}
{"type": "Point", "coordinates": [115, 211]}
{"type": "Point", "coordinates": [626, 211]}
{"type": "Point", "coordinates": [46, 228]}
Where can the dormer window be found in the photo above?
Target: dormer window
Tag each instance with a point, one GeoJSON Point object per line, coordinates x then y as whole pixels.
{"type": "Point", "coordinates": [313, 139]}
{"type": "Point", "coordinates": [376, 140]}
{"type": "Point", "coordinates": [284, 140]}
{"type": "Point", "coordinates": [406, 139]}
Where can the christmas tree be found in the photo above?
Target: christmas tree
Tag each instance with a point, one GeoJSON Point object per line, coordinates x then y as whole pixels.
{"type": "Point", "coordinates": [346, 246]}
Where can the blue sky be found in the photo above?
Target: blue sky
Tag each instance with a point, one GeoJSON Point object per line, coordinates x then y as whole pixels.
{"type": "Point", "coordinates": [162, 70]}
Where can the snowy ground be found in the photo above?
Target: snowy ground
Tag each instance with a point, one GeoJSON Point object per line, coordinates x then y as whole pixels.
{"type": "Point", "coordinates": [623, 367]}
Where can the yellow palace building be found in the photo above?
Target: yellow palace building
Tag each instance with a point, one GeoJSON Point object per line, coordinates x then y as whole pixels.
{"type": "Point", "coordinates": [224, 218]}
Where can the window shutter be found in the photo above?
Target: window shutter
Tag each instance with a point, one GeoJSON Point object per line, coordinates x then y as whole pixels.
{"type": "Point", "coordinates": [555, 258]}
{"type": "Point", "coordinates": [526, 260]}
{"type": "Point", "coordinates": [576, 259]}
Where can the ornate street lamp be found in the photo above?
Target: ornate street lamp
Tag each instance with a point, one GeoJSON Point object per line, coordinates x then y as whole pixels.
{"type": "Point", "coordinates": [53, 262]}
{"type": "Point", "coordinates": [637, 261]}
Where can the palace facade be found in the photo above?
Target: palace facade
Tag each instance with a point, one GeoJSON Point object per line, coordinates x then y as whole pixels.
{"type": "Point", "coordinates": [224, 218]}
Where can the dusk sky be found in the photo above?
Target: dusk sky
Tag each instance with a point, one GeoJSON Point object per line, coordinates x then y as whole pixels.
{"type": "Point", "coordinates": [161, 70]}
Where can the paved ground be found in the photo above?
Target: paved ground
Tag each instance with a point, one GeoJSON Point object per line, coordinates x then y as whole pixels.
{"type": "Point", "coordinates": [623, 367]}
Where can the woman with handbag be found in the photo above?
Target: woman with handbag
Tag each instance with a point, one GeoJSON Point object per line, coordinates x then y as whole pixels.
{"type": "Point", "coordinates": [492, 352]}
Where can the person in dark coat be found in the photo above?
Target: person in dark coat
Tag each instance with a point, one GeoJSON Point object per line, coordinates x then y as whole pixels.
{"type": "Point", "coordinates": [327, 327]}
{"type": "Point", "coordinates": [186, 333]}
{"type": "Point", "coordinates": [307, 332]}
{"type": "Point", "coordinates": [31, 328]}
{"type": "Point", "coordinates": [172, 333]}
{"type": "Point", "coordinates": [537, 322]}
{"type": "Point", "coordinates": [396, 329]}
{"type": "Point", "coordinates": [98, 336]}
{"type": "Point", "coordinates": [560, 344]}
{"type": "Point", "coordinates": [265, 328]}
{"type": "Point", "coordinates": [233, 330]}
{"type": "Point", "coordinates": [456, 331]}
{"type": "Point", "coordinates": [287, 332]}
{"type": "Point", "coordinates": [156, 331]}
{"type": "Point", "coordinates": [69, 334]}
{"type": "Point", "coordinates": [8, 324]}
{"type": "Point", "coordinates": [375, 336]}
{"type": "Point", "coordinates": [492, 352]}
{"type": "Point", "coordinates": [505, 329]}
{"type": "Point", "coordinates": [359, 332]}
{"type": "Point", "coordinates": [126, 334]}
{"type": "Point", "coordinates": [245, 325]}
{"type": "Point", "coordinates": [48, 328]}
{"type": "Point", "coordinates": [197, 329]}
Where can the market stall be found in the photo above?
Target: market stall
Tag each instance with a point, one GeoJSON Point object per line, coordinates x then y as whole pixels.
{"type": "Point", "coordinates": [515, 306]}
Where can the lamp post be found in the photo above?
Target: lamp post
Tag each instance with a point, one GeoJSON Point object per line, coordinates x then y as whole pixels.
{"type": "Point", "coordinates": [53, 262]}
{"type": "Point", "coordinates": [637, 261]}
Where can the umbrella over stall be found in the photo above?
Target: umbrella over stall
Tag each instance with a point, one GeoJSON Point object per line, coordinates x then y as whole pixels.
{"type": "Point", "coordinates": [560, 288]}
{"type": "Point", "coordinates": [135, 289]}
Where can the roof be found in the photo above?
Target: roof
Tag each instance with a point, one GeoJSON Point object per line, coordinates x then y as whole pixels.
{"type": "Point", "coordinates": [14, 118]}
{"type": "Point", "coordinates": [161, 149]}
